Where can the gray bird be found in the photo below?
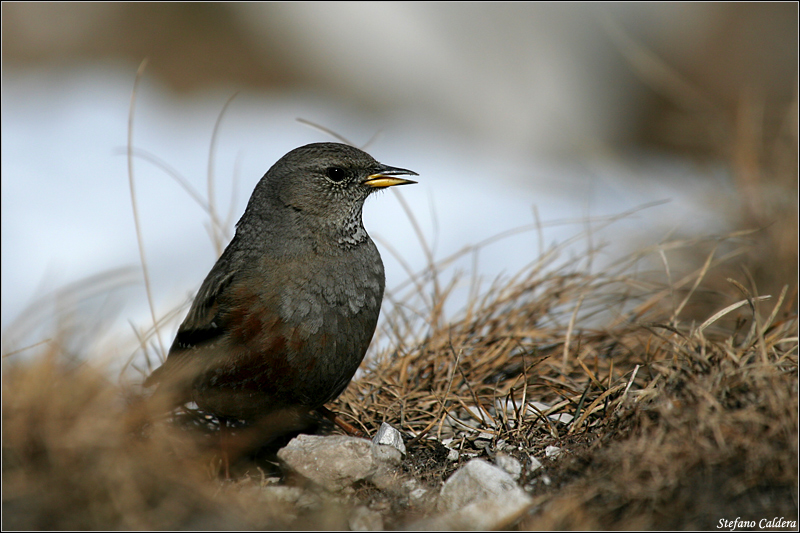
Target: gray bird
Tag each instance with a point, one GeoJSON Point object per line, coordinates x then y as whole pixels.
{"type": "Point", "coordinates": [284, 318]}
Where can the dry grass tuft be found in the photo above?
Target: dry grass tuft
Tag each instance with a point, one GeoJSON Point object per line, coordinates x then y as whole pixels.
{"type": "Point", "coordinates": [669, 423]}
{"type": "Point", "coordinates": [77, 454]}
{"type": "Point", "coordinates": [711, 435]}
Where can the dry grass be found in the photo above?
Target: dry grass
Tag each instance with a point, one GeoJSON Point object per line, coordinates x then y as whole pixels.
{"type": "Point", "coordinates": [675, 424]}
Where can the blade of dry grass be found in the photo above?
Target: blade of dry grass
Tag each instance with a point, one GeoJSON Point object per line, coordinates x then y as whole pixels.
{"type": "Point", "coordinates": [131, 183]}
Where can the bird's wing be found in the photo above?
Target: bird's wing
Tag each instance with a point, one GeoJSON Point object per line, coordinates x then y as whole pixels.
{"type": "Point", "coordinates": [204, 322]}
{"type": "Point", "coordinates": [204, 325]}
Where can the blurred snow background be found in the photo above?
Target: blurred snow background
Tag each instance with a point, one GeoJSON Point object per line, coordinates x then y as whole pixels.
{"type": "Point", "coordinates": [569, 111]}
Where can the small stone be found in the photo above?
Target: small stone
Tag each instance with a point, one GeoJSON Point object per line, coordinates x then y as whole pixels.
{"type": "Point", "coordinates": [481, 443]}
{"type": "Point", "coordinates": [533, 463]}
{"type": "Point", "coordinates": [334, 462]}
{"type": "Point", "coordinates": [552, 452]}
{"type": "Point", "coordinates": [418, 495]}
{"type": "Point", "coordinates": [540, 406]}
{"type": "Point", "coordinates": [365, 519]}
{"type": "Point", "coordinates": [386, 454]}
{"type": "Point", "coordinates": [287, 502]}
{"type": "Point", "coordinates": [283, 493]}
{"type": "Point", "coordinates": [389, 436]}
{"type": "Point", "coordinates": [473, 481]}
{"type": "Point", "coordinates": [509, 464]}
{"type": "Point", "coordinates": [380, 505]}
{"type": "Point", "coordinates": [385, 478]}
{"type": "Point", "coordinates": [387, 445]}
{"type": "Point", "coordinates": [478, 496]}
{"type": "Point", "coordinates": [564, 418]}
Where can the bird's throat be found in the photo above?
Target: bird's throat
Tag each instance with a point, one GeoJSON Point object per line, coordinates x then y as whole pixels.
{"type": "Point", "coordinates": [352, 231]}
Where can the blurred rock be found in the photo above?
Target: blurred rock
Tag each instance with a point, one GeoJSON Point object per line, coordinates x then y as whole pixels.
{"type": "Point", "coordinates": [509, 464]}
{"type": "Point", "coordinates": [475, 481]}
{"type": "Point", "coordinates": [386, 477]}
{"type": "Point", "coordinates": [478, 496]}
{"type": "Point", "coordinates": [364, 519]}
{"type": "Point", "coordinates": [419, 496]}
{"type": "Point", "coordinates": [552, 451]}
{"type": "Point", "coordinates": [452, 455]}
{"type": "Point", "coordinates": [333, 462]}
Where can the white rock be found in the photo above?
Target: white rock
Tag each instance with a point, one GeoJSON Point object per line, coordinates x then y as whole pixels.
{"type": "Point", "coordinates": [509, 464]}
{"type": "Point", "coordinates": [564, 418]}
{"type": "Point", "coordinates": [387, 445]}
{"type": "Point", "coordinates": [478, 496]}
{"type": "Point", "coordinates": [365, 519]}
{"type": "Point", "coordinates": [474, 481]}
{"type": "Point", "coordinates": [541, 406]}
{"type": "Point", "coordinates": [387, 435]}
{"type": "Point", "coordinates": [334, 462]}
{"type": "Point", "coordinates": [552, 451]}
{"type": "Point", "coordinates": [418, 495]}
{"type": "Point", "coordinates": [283, 493]}
{"type": "Point", "coordinates": [483, 515]}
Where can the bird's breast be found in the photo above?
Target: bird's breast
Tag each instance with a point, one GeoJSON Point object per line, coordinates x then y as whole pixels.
{"type": "Point", "coordinates": [329, 288]}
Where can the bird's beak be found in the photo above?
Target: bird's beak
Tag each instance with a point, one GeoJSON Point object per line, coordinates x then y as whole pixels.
{"type": "Point", "coordinates": [385, 177]}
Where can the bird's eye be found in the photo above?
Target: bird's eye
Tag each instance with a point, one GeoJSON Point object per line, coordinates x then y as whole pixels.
{"type": "Point", "coordinates": [335, 174]}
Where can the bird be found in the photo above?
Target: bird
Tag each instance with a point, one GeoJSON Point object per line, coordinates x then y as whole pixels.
{"type": "Point", "coordinates": [284, 318]}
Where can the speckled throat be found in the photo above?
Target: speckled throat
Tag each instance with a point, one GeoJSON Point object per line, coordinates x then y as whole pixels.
{"type": "Point", "coordinates": [353, 231]}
